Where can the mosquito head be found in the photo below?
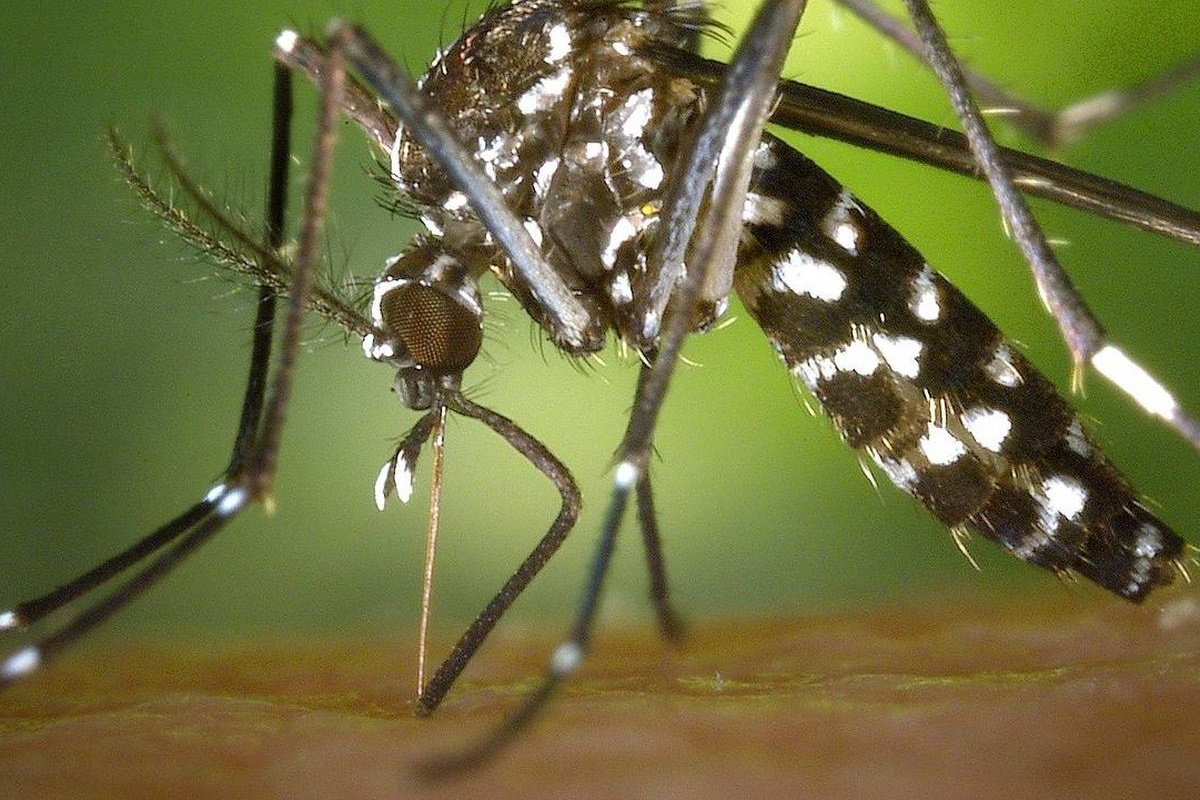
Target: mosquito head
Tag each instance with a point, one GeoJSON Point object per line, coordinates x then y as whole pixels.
{"type": "Point", "coordinates": [429, 306]}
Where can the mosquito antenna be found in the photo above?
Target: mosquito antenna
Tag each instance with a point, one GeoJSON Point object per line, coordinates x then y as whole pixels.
{"type": "Point", "coordinates": [1086, 339]}
{"type": "Point", "coordinates": [435, 509]}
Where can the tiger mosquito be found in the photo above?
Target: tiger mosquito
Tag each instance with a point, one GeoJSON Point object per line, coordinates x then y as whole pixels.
{"type": "Point", "coordinates": [911, 373]}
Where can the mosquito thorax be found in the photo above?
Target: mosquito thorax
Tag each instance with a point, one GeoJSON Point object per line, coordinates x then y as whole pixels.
{"type": "Point", "coordinates": [576, 129]}
{"type": "Point", "coordinates": [430, 307]}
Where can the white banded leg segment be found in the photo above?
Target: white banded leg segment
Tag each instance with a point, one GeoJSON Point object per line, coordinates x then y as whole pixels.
{"type": "Point", "coordinates": [20, 663]}
{"type": "Point", "coordinates": [626, 475]}
{"type": "Point", "coordinates": [566, 659]}
{"type": "Point", "coordinates": [1111, 362]}
{"type": "Point", "coordinates": [226, 501]}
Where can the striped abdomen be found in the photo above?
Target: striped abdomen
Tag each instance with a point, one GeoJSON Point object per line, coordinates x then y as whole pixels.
{"type": "Point", "coordinates": [920, 379]}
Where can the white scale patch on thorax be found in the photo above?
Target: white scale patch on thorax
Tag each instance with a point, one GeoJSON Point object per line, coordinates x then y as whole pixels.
{"type": "Point", "coordinates": [546, 93]}
{"type": "Point", "coordinates": [620, 289]}
{"type": "Point", "coordinates": [623, 230]}
{"type": "Point", "coordinates": [545, 174]}
{"type": "Point", "coordinates": [634, 113]}
{"type": "Point", "coordinates": [560, 44]}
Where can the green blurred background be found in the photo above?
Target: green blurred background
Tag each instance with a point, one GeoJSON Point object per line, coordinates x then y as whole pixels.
{"type": "Point", "coordinates": [123, 356]}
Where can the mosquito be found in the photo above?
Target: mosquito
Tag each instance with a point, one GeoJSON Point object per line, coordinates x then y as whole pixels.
{"type": "Point", "coordinates": [615, 182]}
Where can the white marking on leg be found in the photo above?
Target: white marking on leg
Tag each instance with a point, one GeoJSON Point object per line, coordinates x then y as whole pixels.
{"type": "Point", "coordinates": [924, 301]}
{"type": "Point", "coordinates": [9, 620]}
{"type": "Point", "coordinates": [626, 475]}
{"type": "Point", "coordinates": [21, 663]}
{"type": "Point", "coordinates": [940, 447]}
{"type": "Point", "coordinates": [231, 502]}
{"type": "Point", "coordinates": [566, 659]}
{"type": "Point", "coordinates": [286, 40]}
{"type": "Point", "coordinates": [989, 426]}
{"type": "Point", "coordinates": [802, 274]}
{"type": "Point", "coordinates": [902, 353]}
{"type": "Point", "coordinates": [214, 493]}
{"type": "Point", "coordinates": [1112, 363]}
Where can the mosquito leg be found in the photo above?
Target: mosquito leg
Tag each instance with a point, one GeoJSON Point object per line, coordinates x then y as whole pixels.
{"type": "Point", "coordinates": [1085, 338]}
{"type": "Point", "coordinates": [262, 467]}
{"type": "Point", "coordinates": [729, 129]}
{"type": "Point", "coordinates": [202, 520]}
{"type": "Point", "coordinates": [834, 116]}
{"type": "Point", "coordinates": [1053, 128]}
{"type": "Point", "coordinates": [435, 690]}
{"type": "Point", "coordinates": [669, 624]}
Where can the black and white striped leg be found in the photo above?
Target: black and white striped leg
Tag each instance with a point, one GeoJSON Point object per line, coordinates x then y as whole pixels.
{"type": "Point", "coordinates": [1085, 337]}
{"type": "Point", "coordinates": [247, 478]}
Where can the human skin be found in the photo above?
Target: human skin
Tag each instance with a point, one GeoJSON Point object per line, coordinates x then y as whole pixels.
{"type": "Point", "coordinates": [1068, 696]}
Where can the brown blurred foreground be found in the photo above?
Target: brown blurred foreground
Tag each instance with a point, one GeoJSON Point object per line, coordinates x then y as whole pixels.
{"type": "Point", "coordinates": [1079, 697]}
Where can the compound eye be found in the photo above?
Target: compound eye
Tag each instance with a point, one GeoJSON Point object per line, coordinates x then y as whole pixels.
{"type": "Point", "coordinates": [438, 331]}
